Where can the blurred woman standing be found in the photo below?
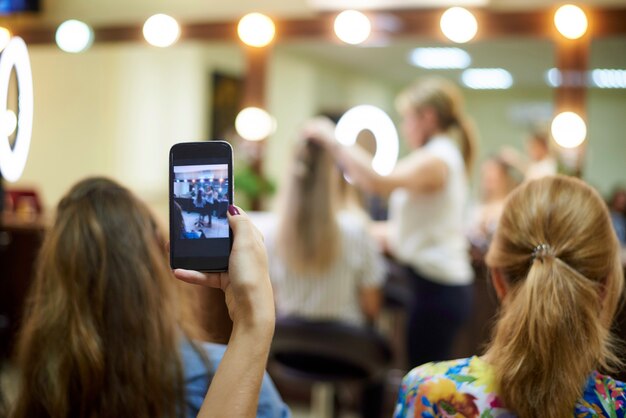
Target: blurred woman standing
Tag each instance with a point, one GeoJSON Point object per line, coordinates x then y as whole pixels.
{"type": "Point", "coordinates": [428, 190]}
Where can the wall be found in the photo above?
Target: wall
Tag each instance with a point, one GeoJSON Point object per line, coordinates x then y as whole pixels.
{"type": "Point", "coordinates": [116, 109]}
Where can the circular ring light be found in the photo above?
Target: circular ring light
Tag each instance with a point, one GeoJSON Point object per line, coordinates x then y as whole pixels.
{"type": "Point", "coordinates": [369, 117]}
{"type": "Point", "coordinates": [13, 161]}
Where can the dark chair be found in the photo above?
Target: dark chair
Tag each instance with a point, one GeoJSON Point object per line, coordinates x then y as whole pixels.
{"type": "Point", "coordinates": [327, 354]}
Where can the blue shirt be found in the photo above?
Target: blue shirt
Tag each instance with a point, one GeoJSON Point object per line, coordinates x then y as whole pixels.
{"type": "Point", "coordinates": [198, 378]}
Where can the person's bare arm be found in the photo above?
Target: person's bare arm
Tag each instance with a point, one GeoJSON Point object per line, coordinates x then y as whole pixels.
{"type": "Point", "coordinates": [234, 390]}
{"type": "Point", "coordinates": [371, 301]}
{"type": "Point", "coordinates": [418, 172]}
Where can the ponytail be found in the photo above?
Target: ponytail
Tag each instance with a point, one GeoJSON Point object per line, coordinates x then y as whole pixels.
{"type": "Point", "coordinates": [554, 326]}
{"type": "Point", "coordinates": [547, 341]}
{"type": "Point", "coordinates": [468, 142]}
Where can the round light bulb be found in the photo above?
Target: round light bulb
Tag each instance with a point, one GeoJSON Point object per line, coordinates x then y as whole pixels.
{"type": "Point", "coordinates": [161, 30]}
{"type": "Point", "coordinates": [8, 123]}
{"type": "Point", "coordinates": [571, 21]}
{"type": "Point", "coordinates": [5, 37]}
{"type": "Point", "coordinates": [458, 24]}
{"type": "Point", "coordinates": [254, 124]}
{"type": "Point", "coordinates": [74, 36]}
{"type": "Point", "coordinates": [569, 130]}
{"type": "Point", "coordinates": [256, 29]}
{"type": "Point", "coordinates": [352, 27]}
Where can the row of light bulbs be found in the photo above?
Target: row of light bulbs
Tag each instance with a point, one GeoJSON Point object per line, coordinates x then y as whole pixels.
{"type": "Point", "coordinates": [255, 29]}
{"type": "Point", "coordinates": [352, 27]}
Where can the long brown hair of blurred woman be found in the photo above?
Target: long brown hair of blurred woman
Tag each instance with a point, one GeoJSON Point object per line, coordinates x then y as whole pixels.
{"type": "Point", "coordinates": [554, 325]}
{"type": "Point", "coordinates": [105, 316]}
{"type": "Point", "coordinates": [308, 235]}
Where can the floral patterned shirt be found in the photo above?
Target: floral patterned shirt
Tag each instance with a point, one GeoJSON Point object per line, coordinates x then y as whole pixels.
{"type": "Point", "coordinates": [466, 388]}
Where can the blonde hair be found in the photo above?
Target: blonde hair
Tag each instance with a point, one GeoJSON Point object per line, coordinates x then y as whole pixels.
{"type": "Point", "coordinates": [446, 99]}
{"type": "Point", "coordinates": [557, 251]}
{"type": "Point", "coordinates": [308, 236]}
{"type": "Point", "coordinates": [103, 325]}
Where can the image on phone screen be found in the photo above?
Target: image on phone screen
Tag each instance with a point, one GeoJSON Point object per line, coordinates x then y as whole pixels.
{"type": "Point", "coordinates": [201, 198]}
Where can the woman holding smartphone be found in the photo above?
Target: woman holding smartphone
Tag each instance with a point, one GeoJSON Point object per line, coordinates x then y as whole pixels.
{"type": "Point", "coordinates": [109, 332]}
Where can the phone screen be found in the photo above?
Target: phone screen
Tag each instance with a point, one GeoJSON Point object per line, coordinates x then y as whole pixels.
{"type": "Point", "coordinates": [200, 193]}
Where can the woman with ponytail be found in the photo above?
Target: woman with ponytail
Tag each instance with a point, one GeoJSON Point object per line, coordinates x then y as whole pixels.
{"type": "Point", "coordinates": [427, 195]}
{"type": "Point", "coordinates": [554, 264]}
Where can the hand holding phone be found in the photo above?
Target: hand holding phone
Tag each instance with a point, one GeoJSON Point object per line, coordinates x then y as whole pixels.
{"type": "Point", "coordinates": [201, 189]}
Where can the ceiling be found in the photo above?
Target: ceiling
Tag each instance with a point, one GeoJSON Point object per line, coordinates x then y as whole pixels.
{"type": "Point", "coordinates": [100, 12]}
{"type": "Point", "coordinates": [527, 59]}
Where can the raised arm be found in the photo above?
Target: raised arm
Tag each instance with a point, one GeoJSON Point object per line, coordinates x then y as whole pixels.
{"type": "Point", "coordinates": [418, 172]}
{"type": "Point", "coordinates": [234, 390]}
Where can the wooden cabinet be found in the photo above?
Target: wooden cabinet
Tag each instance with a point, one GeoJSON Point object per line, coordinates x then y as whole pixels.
{"type": "Point", "coordinates": [19, 244]}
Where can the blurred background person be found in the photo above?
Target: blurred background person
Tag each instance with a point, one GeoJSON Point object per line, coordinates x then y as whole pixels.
{"type": "Point", "coordinates": [555, 267]}
{"type": "Point", "coordinates": [428, 191]}
{"type": "Point", "coordinates": [497, 180]}
{"type": "Point", "coordinates": [539, 162]}
{"type": "Point", "coordinates": [323, 263]}
{"type": "Point", "coordinates": [109, 332]}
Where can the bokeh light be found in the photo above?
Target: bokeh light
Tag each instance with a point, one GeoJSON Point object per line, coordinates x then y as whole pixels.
{"type": "Point", "coordinates": [161, 30]}
{"type": "Point", "coordinates": [571, 21]}
{"type": "Point", "coordinates": [256, 29]}
{"type": "Point", "coordinates": [74, 36]}
{"type": "Point", "coordinates": [8, 123]}
{"type": "Point", "coordinates": [5, 37]}
{"type": "Point", "coordinates": [458, 24]}
{"type": "Point", "coordinates": [352, 27]}
{"type": "Point", "coordinates": [568, 129]}
{"type": "Point", "coordinates": [254, 124]}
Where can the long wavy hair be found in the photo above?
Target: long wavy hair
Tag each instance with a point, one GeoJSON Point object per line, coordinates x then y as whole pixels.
{"type": "Point", "coordinates": [308, 236]}
{"type": "Point", "coordinates": [105, 318]}
{"type": "Point", "coordinates": [554, 324]}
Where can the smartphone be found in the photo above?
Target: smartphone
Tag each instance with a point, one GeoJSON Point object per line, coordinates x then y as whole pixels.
{"type": "Point", "coordinates": [200, 191]}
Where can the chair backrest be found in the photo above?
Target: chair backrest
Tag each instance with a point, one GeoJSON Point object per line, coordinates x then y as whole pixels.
{"type": "Point", "coordinates": [329, 351]}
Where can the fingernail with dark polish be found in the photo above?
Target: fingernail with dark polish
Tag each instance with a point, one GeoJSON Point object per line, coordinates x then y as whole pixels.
{"type": "Point", "coordinates": [233, 210]}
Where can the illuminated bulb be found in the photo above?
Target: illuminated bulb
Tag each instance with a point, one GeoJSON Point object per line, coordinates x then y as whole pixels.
{"type": "Point", "coordinates": [256, 29]}
{"type": "Point", "coordinates": [568, 130]}
{"type": "Point", "coordinates": [161, 30]}
{"type": "Point", "coordinates": [8, 123]}
{"type": "Point", "coordinates": [570, 21]}
{"type": "Point", "coordinates": [367, 117]}
{"type": "Point", "coordinates": [458, 24]}
{"type": "Point", "coordinates": [74, 36]}
{"type": "Point", "coordinates": [254, 124]}
{"type": "Point", "coordinates": [352, 27]}
{"type": "Point", "coordinates": [5, 37]}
